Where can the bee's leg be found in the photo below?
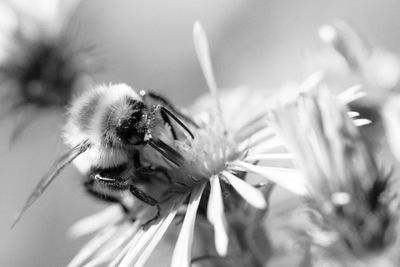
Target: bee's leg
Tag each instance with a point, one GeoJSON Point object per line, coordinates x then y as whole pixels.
{"type": "Point", "coordinates": [168, 104]}
{"type": "Point", "coordinates": [166, 113]}
{"type": "Point", "coordinates": [136, 159]}
{"type": "Point", "coordinates": [150, 173]}
{"type": "Point", "coordinates": [142, 171]}
{"type": "Point", "coordinates": [90, 189]}
{"type": "Point", "coordinates": [141, 195]}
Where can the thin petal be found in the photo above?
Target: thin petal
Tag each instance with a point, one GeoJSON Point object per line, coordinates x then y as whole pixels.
{"type": "Point", "coordinates": [9, 23]}
{"type": "Point", "coordinates": [96, 222]}
{"type": "Point", "coordinates": [252, 195]}
{"type": "Point", "coordinates": [351, 94]}
{"type": "Point", "coordinates": [391, 116]}
{"type": "Point", "coordinates": [251, 126]}
{"type": "Point", "coordinates": [353, 114]}
{"type": "Point", "coordinates": [182, 252]}
{"type": "Point", "coordinates": [216, 216]}
{"type": "Point", "coordinates": [263, 147]}
{"type": "Point", "coordinates": [261, 136]}
{"type": "Point", "coordinates": [114, 245]}
{"type": "Point", "coordinates": [203, 55]}
{"type": "Point", "coordinates": [361, 122]}
{"type": "Point", "coordinates": [289, 179]}
{"type": "Point", "coordinates": [156, 239]}
{"type": "Point", "coordinates": [312, 81]}
{"type": "Point", "coordinates": [92, 246]}
{"type": "Point", "coordinates": [133, 252]}
{"type": "Point", "coordinates": [125, 250]}
{"type": "Point", "coordinates": [269, 156]}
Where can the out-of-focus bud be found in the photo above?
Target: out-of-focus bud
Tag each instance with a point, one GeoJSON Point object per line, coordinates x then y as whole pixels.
{"type": "Point", "coordinates": [353, 60]}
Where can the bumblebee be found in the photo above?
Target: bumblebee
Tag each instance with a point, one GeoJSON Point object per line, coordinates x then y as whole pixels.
{"type": "Point", "coordinates": [116, 132]}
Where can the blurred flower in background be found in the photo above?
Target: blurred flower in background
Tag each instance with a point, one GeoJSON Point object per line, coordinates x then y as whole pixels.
{"type": "Point", "coordinates": [350, 59]}
{"type": "Point", "coordinates": [348, 193]}
{"type": "Point", "coordinates": [391, 119]}
{"type": "Point", "coordinates": [40, 64]}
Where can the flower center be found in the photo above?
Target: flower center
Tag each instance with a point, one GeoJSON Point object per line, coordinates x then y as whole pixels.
{"type": "Point", "coordinates": [207, 154]}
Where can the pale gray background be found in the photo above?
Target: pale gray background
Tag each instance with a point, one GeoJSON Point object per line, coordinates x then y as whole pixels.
{"type": "Point", "coordinates": [148, 44]}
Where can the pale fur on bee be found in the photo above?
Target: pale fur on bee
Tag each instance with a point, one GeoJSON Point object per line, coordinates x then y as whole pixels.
{"type": "Point", "coordinates": [88, 116]}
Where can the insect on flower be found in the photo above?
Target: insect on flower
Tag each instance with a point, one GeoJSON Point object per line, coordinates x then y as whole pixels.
{"type": "Point", "coordinates": [213, 165]}
{"type": "Point", "coordinates": [113, 125]}
{"type": "Point", "coordinates": [135, 144]}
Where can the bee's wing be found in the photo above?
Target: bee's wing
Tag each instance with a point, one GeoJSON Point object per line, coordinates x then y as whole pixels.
{"type": "Point", "coordinates": [63, 161]}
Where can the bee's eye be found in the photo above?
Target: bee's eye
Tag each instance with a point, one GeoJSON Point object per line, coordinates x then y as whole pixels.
{"type": "Point", "coordinates": [131, 129]}
{"type": "Point", "coordinates": [136, 115]}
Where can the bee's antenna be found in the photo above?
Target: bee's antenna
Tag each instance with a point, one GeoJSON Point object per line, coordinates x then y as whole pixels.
{"type": "Point", "coordinates": [203, 54]}
{"type": "Point", "coordinates": [166, 151]}
{"type": "Point", "coordinates": [63, 161]}
{"type": "Point", "coordinates": [175, 118]}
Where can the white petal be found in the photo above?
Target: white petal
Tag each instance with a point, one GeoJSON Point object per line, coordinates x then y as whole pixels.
{"type": "Point", "coordinates": [8, 26]}
{"type": "Point", "coordinates": [252, 195]}
{"type": "Point", "coordinates": [9, 21]}
{"type": "Point", "coordinates": [48, 11]}
{"type": "Point", "coordinates": [312, 81]}
{"type": "Point", "coordinates": [263, 147]}
{"type": "Point", "coordinates": [125, 250]}
{"type": "Point", "coordinates": [262, 136]}
{"type": "Point", "coordinates": [92, 246]}
{"type": "Point", "coordinates": [361, 122]}
{"type": "Point", "coordinates": [42, 10]}
{"type": "Point", "coordinates": [289, 179]}
{"type": "Point", "coordinates": [97, 221]}
{"type": "Point", "coordinates": [216, 216]}
{"type": "Point", "coordinates": [250, 126]}
{"type": "Point", "coordinates": [353, 114]}
{"type": "Point", "coordinates": [114, 245]}
{"type": "Point", "coordinates": [182, 252]}
{"type": "Point", "coordinates": [351, 94]}
{"type": "Point", "coordinates": [391, 120]}
{"type": "Point", "coordinates": [155, 240]}
{"type": "Point", "coordinates": [269, 156]}
{"type": "Point", "coordinates": [135, 250]}
{"type": "Point", "coordinates": [203, 55]}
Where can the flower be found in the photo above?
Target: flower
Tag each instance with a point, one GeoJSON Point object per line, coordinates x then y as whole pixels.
{"type": "Point", "coordinates": [347, 191]}
{"type": "Point", "coordinates": [391, 119]}
{"type": "Point", "coordinates": [40, 67]}
{"type": "Point", "coordinates": [229, 143]}
{"type": "Point", "coordinates": [354, 60]}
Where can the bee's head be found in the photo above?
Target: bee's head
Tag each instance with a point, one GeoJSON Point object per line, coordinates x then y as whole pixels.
{"type": "Point", "coordinates": [112, 116]}
{"type": "Point", "coordinates": [131, 126]}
